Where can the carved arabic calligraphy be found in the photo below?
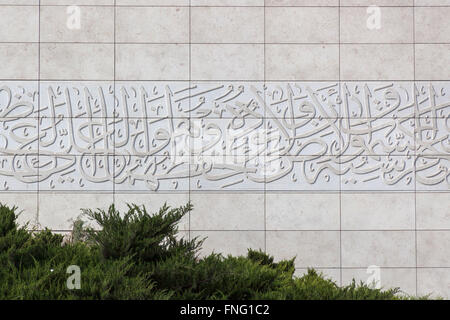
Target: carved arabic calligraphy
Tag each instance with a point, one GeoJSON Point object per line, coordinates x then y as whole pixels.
{"type": "Point", "coordinates": [180, 136]}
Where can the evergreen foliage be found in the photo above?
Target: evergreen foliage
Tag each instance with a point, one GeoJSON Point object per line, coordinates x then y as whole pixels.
{"type": "Point", "coordinates": [138, 255]}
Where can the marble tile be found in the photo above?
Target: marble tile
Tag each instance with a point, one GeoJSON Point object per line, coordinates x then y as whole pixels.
{"type": "Point", "coordinates": [241, 211]}
{"type": "Point", "coordinates": [377, 211]}
{"type": "Point", "coordinates": [291, 62]}
{"type": "Point", "coordinates": [432, 210]}
{"type": "Point", "coordinates": [361, 249]}
{"type": "Point", "coordinates": [96, 24]}
{"type": "Point", "coordinates": [245, 62]}
{"type": "Point", "coordinates": [366, 3]}
{"type": "Point", "coordinates": [396, 25]}
{"type": "Point", "coordinates": [302, 25]}
{"type": "Point", "coordinates": [302, 211]}
{"type": "Point", "coordinates": [152, 24]}
{"type": "Point", "coordinates": [227, 25]}
{"type": "Point", "coordinates": [230, 3]}
{"type": "Point", "coordinates": [311, 248]}
{"type": "Point", "coordinates": [430, 59]}
{"type": "Point", "coordinates": [76, 61]}
{"type": "Point", "coordinates": [434, 282]}
{"type": "Point", "coordinates": [19, 24]}
{"type": "Point", "coordinates": [369, 61]}
{"type": "Point", "coordinates": [27, 206]}
{"type": "Point", "coordinates": [58, 212]}
{"type": "Point", "coordinates": [385, 278]}
{"type": "Point", "coordinates": [431, 26]}
{"type": "Point", "coordinates": [152, 62]}
{"type": "Point", "coordinates": [19, 61]}
{"type": "Point", "coordinates": [432, 249]}
{"type": "Point", "coordinates": [78, 2]}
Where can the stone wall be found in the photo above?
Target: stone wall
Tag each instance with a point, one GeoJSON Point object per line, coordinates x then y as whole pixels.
{"type": "Point", "coordinates": [311, 128]}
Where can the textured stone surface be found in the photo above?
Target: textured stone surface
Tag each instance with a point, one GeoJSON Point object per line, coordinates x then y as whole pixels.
{"type": "Point", "coordinates": [293, 128]}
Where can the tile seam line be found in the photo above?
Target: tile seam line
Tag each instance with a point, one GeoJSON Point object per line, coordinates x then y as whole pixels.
{"type": "Point", "coordinates": [331, 43]}
{"type": "Point", "coordinates": [219, 6]}
{"type": "Point", "coordinates": [198, 81]}
{"type": "Point", "coordinates": [265, 126]}
{"type": "Point", "coordinates": [114, 125]}
{"type": "Point", "coordinates": [415, 148]}
{"type": "Point", "coordinates": [39, 108]}
{"type": "Point", "coordinates": [340, 162]}
{"type": "Point", "coordinates": [190, 86]}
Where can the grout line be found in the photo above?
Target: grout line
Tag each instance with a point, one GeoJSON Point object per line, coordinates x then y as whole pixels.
{"type": "Point", "coordinates": [231, 191]}
{"type": "Point", "coordinates": [201, 81]}
{"type": "Point", "coordinates": [189, 115]}
{"type": "Point", "coordinates": [340, 164]}
{"type": "Point", "coordinates": [39, 108]}
{"type": "Point", "coordinates": [266, 131]}
{"type": "Point", "coordinates": [115, 97]}
{"type": "Point", "coordinates": [415, 145]}
{"type": "Point", "coordinates": [315, 231]}
{"type": "Point", "coordinates": [224, 6]}
{"type": "Point", "coordinates": [221, 43]}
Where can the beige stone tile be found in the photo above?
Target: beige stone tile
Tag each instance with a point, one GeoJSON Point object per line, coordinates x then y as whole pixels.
{"type": "Point", "coordinates": [152, 2]}
{"type": "Point", "coordinates": [366, 3]}
{"type": "Point", "coordinates": [318, 249]}
{"type": "Point", "coordinates": [227, 2]}
{"type": "Point", "coordinates": [431, 61]}
{"type": "Point", "coordinates": [230, 242]}
{"type": "Point", "coordinates": [405, 279]}
{"type": "Point", "coordinates": [434, 282]}
{"type": "Point", "coordinates": [96, 25]}
{"type": "Point", "coordinates": [227, 25]}
{"type": "Point", "coordinates": [382, 211]}
{"type": "Point", "coordinates": [152, 62]}
{"type": "Point", "coordinates": [303, 3]}
{"type": "Point", "coordinates": [432, 3]}
{"type": "Point", "coordinates": [433, 249]}
{"type": "Point", "coordinates": [27, 206]}
{"type": "Point", "coordinates": [432, 210]}
{"type": "Point", "coordinates": [361, 249]}
{"type": "Point", "coordinates": [58, 211]}
{"type": "Point", "coordinates": [244, 62]}
{"type": "Point", "coordinates": [302, 62]}
{"type": "Point", "coordinates": [20, 2]}
{"type": "Point", "coordinates": [302, 25]}
{"type": "Point", "coordinates": [396, 25]}
{"type": "Point", "coordinates": [152, 24]}
{"type": "Point", "coordinates": [432, 25]}
{"type": "Point", "coordinates": [19, 61]}
{"type": "Point", "coordinates": [78, 2]}
{"type": "Point", "coordinates": [77, 61]}
{"type": "Point", "coordinates": [19, 24]}
{"type": "Point", "coordinates": [301, 211]}
{"type": "Point", "coordinates": [233, 211]}
{"type": "Point", "coordinates": [377, 62]}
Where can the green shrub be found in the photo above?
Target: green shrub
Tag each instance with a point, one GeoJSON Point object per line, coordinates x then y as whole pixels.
{"type": "Point", "coordinates": [141, 235]}
{"type": "Point", "coordinates": [137, 255]}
